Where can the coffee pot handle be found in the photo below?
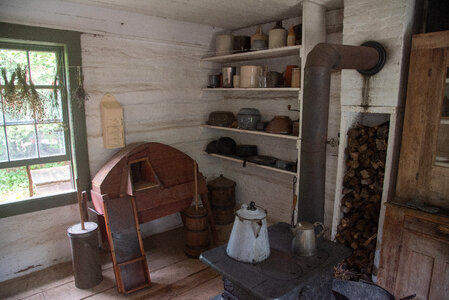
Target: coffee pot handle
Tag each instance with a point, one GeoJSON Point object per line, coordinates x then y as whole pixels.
{"type": "Point", "coordinates": [323, 228]}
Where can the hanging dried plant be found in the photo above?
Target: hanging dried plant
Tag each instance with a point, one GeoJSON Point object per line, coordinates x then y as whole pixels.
{"type": "Point", "coordinates": [21, 97]}
{"type": "Point", "coordinates": [80, 95]}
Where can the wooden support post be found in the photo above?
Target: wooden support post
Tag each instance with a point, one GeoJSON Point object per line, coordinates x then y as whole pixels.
{"type": "Point", "coordinates": [30, 181]}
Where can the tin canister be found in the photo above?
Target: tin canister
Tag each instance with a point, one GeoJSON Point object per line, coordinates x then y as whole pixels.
{"type": "Point", "coordinates": [228, 74]}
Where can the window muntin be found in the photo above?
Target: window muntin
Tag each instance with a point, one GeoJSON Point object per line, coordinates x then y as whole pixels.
{"type": "Point", "coordinates": [28, 143]}
{"type": "Point", "coordinates": [24, 138]}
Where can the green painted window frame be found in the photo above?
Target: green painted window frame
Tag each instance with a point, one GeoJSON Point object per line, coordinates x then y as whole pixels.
{"type": "Point", "coordinates": [59, 50]}
{"type": "Point", "coordinates": [70, 41]}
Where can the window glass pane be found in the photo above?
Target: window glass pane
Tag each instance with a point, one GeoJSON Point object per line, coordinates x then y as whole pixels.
{"type": "Point", "coordinates": [44, 179]}
{"type": "Point", "coordinates": [43, 67]}
{"type": "Point", "coordinates": [15, 116]}
{"type": "Point", "coordinates": [51, 139]}
{"type": "Point", "coordinates": [10, 59]}
{"type": "Point", "coordinates": [21, 142]}
{"type": "Point", "coordinates": [3, 151]}
{"type": "Point", "coordinates": [52, 106]}
{"type": "Point", "coordinates": [13, 184]}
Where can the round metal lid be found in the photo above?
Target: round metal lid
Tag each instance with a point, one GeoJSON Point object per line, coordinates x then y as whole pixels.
{"type": "Point", "coordinates": [76, 231]}
{"type": "Point", "coordinates": [251, 212]}
{"type": "Point", "coordinates": [249, 111]}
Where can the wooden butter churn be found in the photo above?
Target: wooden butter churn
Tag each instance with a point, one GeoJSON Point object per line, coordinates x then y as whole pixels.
{"type": "Point", "coordinates": [222, 199]}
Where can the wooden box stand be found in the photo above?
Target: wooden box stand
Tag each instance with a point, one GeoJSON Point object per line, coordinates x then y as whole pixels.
{"type": "Point", "coordinates": [141, 183]}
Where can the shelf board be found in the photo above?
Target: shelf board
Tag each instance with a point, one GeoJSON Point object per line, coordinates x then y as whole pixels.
{"type": "Point", "coordinates": [284, 90]}
{"type": "Point", "coordinates": [444, 121]}
{"type": "Point", "coordinates": [442, 164]}
{"type": "Point", "coordinates": [259, 54]}
{"type": "Point", "coordinates": [371, 109]}
{"type": "Point", "coordinates": [255, 132]}
{"type": "Point", "coordinates": [251, 164]}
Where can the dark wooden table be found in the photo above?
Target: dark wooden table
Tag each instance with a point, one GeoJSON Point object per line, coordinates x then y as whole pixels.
{"type": "Point", "coordinates": [283, 275]}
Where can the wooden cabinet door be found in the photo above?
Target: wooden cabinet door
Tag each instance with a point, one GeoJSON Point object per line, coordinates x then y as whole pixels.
{"type": "Point", "coordinates": [418, 176]}
{"type": "Point", "coordinates": [423, 267]}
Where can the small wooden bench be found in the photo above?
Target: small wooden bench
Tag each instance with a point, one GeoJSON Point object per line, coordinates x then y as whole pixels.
{"type": "Point", "coordinates": [52, 180]}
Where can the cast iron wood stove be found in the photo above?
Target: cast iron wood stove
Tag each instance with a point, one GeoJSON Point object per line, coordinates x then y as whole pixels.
{"type": "Point", "coordinates": [283, 275]}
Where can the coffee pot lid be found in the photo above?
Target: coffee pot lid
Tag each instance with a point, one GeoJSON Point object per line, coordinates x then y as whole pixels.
{"type": "Point", "coordinates": [251, 212]}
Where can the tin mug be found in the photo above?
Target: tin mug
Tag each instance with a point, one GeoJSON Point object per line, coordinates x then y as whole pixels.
{"type": "Point", "coordinates": [214, 81]}
{"type": "Point", "coordinates": [228, 73]}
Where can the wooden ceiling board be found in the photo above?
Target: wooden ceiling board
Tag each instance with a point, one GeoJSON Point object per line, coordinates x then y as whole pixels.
{"type": "Point", "coordinates": [229, 14]}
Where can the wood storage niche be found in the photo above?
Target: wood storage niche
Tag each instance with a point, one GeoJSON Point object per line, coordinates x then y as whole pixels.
{"type": "Point", "coordinates": [222, 198]}
{"type": "Point", "coordinates": [363, 180]}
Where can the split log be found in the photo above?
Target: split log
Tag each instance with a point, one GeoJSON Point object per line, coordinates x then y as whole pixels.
{"type": "Point", "coordinates": [362, 193]}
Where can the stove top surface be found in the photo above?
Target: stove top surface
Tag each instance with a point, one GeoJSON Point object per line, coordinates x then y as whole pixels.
{"type": "Point", "coordinates": [283, 275]}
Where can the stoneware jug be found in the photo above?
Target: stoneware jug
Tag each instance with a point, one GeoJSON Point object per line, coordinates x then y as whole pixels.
{"type": "Point", "coordinates": [249, 237]}
{"type": "Point", "coordinates": [277, 37]}
{"type": "Point", "coordinates": [304, 238]}
{"type": "Point", "coordinates": [259, 36]}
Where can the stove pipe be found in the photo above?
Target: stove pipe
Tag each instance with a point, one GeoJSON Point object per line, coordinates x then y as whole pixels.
{"type": "Point", "coordinates": [368, 59]}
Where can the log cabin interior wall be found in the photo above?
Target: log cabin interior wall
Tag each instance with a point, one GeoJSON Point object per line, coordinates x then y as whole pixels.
{"type": "Point", "coordinates": [152, 66]}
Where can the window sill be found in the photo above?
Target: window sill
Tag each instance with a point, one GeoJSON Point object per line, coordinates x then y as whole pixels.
{"type": "Point", "coordinates": [37, 203]}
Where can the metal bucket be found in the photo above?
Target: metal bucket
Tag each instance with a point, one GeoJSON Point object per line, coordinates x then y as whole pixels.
{"type": "Point", "coordinates": [85, 255]}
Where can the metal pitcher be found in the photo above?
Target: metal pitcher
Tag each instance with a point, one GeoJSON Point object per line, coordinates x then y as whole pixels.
{"type": "Point", "coordinates": [304, 238]}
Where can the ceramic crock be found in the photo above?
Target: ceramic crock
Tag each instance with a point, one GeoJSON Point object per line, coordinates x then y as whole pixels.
{"type": "Point", "coordinates": [249, 76]}
{"type": "Point", "coordinates": [224, 44]}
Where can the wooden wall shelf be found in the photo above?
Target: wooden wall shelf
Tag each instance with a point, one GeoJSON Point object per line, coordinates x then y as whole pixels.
{"type": "Point", "coordinates": [262, 90]}
{"type": "Point", "coordinates": [252, 55]}
{"type": "Point", "coordinates": [239, 160]}
{"type": "Point", "coordinates": [254, 132]}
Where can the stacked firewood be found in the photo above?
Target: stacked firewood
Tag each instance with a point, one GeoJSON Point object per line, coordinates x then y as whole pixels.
{"type": "Point", "coordinates": [362, 189]}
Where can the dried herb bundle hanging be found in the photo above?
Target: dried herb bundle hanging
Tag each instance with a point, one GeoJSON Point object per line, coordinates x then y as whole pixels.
{"type": "Point", "coordinates": [19, 96]}
{"type": "Point", "coordinates": [80, 94]}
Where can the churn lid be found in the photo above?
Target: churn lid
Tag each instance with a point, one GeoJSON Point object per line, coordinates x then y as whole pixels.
{"type": "Point", "coordinates": [75, 231]}
{"type": "Point", "coordinates": [221, 182]}
{"type": "Point", "coordinates": [251, 212]}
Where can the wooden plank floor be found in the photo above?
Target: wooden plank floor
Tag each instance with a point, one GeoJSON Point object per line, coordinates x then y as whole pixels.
{"type": "Point", "coordinates": [173, 276]}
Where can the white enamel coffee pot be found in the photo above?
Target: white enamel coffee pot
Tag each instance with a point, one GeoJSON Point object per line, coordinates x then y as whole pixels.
{"type": "Point", "coordinates": [249, 237]}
